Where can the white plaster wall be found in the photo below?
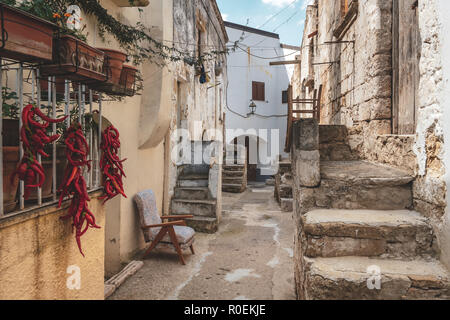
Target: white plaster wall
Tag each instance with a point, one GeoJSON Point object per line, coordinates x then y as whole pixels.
{"type": "Point", "coordinates": [242, 70]}
{"type": "Point", "coordinates": [442, 10]}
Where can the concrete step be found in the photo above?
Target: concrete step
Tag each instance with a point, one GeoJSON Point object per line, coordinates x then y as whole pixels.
{"type": "Point", "coordinates": [363, 185]}
{"type": "Point", "coordinates": [351, 278]}
{"type": "Point", "coordinates": [287, 204]}
{"type": "Point", "coordinates": [203, 224]}
{"type": "Point", "coordinates": [193, 176]}
{"type": "Point", "coordinates": [387, 234]}
{"type": "Point", "coordinates": [233, 188]}
{"type": "Point", "coordinates": [202, 208]}
{"type": "Point", "coordinates": [233, 174]}
{"type": "Point", "coordinates": [285, 191]}
{"type": "Point", "coordinates": [233, 180]}
{"type": "Point", "coordinates": [193, 193]}
{"type": "Point", "coordinates": [233, 167]}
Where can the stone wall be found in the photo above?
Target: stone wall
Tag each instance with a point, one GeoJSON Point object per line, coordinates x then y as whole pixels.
{"type": "Point", "coordinates": [430, 190]}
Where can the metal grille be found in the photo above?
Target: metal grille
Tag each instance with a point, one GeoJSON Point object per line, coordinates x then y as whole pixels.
{"type": "Point", "coordinates": [27, 80]}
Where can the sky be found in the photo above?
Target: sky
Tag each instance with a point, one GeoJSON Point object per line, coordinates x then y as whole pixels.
{"type": "Point", "coordinates": [285, 17]}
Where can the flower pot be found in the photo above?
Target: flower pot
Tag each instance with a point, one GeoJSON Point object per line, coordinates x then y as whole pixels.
{"type": "Point", "coordinates": [25, 37]}
{"type": "Point", "coordinates": [10, 132]}
{"type": "Point", "coordinates": [47, 164]}
{"type": "Point", "coordinates": [114, 64]}
{"type": "Point", "coordinates": [128, 77]}
{"type": "Point", "coordinates": [74, 94]}
{"type": "Point", "coordinates": [75, 60]}
{"type": "Point", "coordinates": [60, 88]}
{"type": "Point", "coordinates": [10, 161]}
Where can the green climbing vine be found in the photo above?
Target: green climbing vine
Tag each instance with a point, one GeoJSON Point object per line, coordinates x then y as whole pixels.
{"type": "Point", "coordinates": [135, 40]}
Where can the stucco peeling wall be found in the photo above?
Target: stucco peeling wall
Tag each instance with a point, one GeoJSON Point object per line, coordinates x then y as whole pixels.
{"type": "Point", "coordinates": [36, 249]}
{"type": "Point", "coordinates": [430, 191]}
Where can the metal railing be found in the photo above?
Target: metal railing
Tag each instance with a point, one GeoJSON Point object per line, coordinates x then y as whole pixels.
{"type": "Point", "coordinates": [28, 90]}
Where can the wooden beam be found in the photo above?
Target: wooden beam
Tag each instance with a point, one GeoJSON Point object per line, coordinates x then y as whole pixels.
{"type": "Point", "coordinates": [280, 63]}
{"type": "Point", "coordinates": [287, 46]}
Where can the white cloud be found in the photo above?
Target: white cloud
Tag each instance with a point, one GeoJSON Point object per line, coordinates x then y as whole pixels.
{"type": "Point", "coordinates": [277, 3]}
{"type": "Point", "coordinates": [225, 16]}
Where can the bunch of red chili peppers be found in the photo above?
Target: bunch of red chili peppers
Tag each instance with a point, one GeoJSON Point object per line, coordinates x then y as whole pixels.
{"type": "Point", "coordinates": [74, 183]}
{"type": "Point", "coordinates": [111, 165]}
{"type": "Point", "coordinates": [34, 138]}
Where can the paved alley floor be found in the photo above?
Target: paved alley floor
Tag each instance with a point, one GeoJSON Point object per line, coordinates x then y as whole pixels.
{"type": "Point", "coordinates": [249, 258]}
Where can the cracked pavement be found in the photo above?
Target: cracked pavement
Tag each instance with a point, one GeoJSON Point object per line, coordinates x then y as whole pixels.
{"type": "Point", "coordinates": [249, 258]}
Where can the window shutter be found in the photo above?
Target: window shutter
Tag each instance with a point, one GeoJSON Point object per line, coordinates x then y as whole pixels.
{"type": "Point", "coordinates": [258, 91]}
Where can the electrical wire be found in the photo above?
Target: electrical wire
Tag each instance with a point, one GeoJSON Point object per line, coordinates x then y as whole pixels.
{"type": "Point", "coordinates": [267, 58]}
{"type": "Point", "coordinates": [256, 114]}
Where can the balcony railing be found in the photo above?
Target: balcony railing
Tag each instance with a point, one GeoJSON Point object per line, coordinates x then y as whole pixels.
{"type": "Point", "coordinates": [77, 101]}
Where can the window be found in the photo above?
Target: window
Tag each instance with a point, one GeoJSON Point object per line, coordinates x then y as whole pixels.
{"type": "Point", "coordinates": [258, 91]}
{"type": "Point", "coordinates": [284, 97]}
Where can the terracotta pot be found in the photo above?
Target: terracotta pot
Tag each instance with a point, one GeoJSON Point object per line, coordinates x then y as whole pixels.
{"type": "Point", "coordinates": [128, 77]}
{"type": "Point", "coordinates": [10, 132]}
{"type": "Point", "coordinates": [114, 64]}
{"type": "Point", "coordinates": [25, 37]}
{"type": "Point", "coordinates": [10, 162]}
{"type": "Point", "coordinates": [74, 94]}
{"type": "Point", "coordinates": [75, 60]}
{"type": "Point", "coordinates": [59, 84]}
{"type": "Point", "coordinates": [61, 162]}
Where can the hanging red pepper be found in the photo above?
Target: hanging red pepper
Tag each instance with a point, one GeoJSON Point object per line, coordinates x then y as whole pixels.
{"type": "Point", "coordinates": [111, 165]}
{"type": "Point", "coordinates": [34, 139]}
{"type": "Point", "coordinates": [74, 183]}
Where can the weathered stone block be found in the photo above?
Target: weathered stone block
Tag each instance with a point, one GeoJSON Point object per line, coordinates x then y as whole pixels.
{"type": "Point", "coordinates": [306, 135]}
{"type": "Point", "coordinates": [308, 168]}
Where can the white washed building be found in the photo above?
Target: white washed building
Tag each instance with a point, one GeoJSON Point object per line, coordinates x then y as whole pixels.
{"type": "Point", "coordinates": [252, 79]}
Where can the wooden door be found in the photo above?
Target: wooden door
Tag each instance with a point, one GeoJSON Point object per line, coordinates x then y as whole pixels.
{"type": "Point", "coordinates": [405, 66]}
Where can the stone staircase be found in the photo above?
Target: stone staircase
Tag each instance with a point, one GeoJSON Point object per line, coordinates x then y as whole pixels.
{"type": "Point", "coordinates": [359, 236]}
{"type": "Point", "coordinates": [192, 196]}
{"type": "Point", "coordinates": [234, 172]}
{"type": "Point", "coordinates": [283, 186]}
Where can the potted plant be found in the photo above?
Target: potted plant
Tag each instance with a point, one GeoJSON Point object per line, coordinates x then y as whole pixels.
{"type": "Point", "coordinates": [75, 60]}
{"type": "Point", "coordinates": [114, 64]}
{"type": "Point", "coordinates": [25, 37]}
{"type": "Point", "coordinates": [10, 148]}
{"type": "Point", "coordinates": [128, 79]}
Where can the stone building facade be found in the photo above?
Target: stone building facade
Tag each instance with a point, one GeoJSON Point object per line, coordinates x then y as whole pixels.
{"type": "Point", "coordinates": [380, 64]}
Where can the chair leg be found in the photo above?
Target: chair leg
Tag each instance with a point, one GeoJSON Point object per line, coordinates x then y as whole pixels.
{"type": "Point", "coordinates": [157, 239]}
{"type": "Point", "coordinates": [192, 249]}
{"type": "Point", "coordinates": [174, 239]}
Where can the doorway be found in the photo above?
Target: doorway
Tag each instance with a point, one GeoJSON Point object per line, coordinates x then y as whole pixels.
{"type": "Point", "coordinates": [405, 60]}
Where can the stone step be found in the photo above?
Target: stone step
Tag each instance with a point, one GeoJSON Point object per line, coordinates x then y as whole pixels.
{"type": "Point", "coordinates": [202, 208]}
{"type": "Point", "coordinates": [371, 233]}
{"type": "Point", "coordinates": [233, 180]}
{"type": "Point", "coordinates": [193, 176]}
{"type": "Point", "coordinates": [350, 278]}
{"type": "Point", "coordinates": [233, 167]}
{"type": "Point", "coordinates": [363, 185]}
{"type": "Point", "coordinates": [233, 188]}
{"type": "Point", "coordinates": [193, 183]}
{"type": "Point", "coordinates": [203, 224]}
{"type": "Point", "coordinates": [193, 193]}
{"type": "Point", "coordinates": [336, 152]}
{"type": "Point", "coordinates": [287, 204]}
{"type": "Point", "coordinates": [285, 191]}
{"type": "Point", "coordinates": [233, 173]}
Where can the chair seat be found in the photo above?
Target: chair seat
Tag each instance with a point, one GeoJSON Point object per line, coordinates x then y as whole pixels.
{"type": "Point", "coordinates": [184, 234]}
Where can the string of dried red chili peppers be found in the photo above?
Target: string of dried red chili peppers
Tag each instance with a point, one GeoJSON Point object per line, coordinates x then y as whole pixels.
{"type": "Point", "coordinates": [111, 165]}
{"type": "Point", "coordinates": [34, 139]}
{"type": "Point", "coordinates": [74, 183]}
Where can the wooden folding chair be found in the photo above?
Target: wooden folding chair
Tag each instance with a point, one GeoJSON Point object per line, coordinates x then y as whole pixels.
{"type": "Point", "coordinates": [174, 233]}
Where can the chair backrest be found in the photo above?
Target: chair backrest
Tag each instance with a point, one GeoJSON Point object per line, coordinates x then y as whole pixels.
{"type": "Point", "coordinates": [148, 212]}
